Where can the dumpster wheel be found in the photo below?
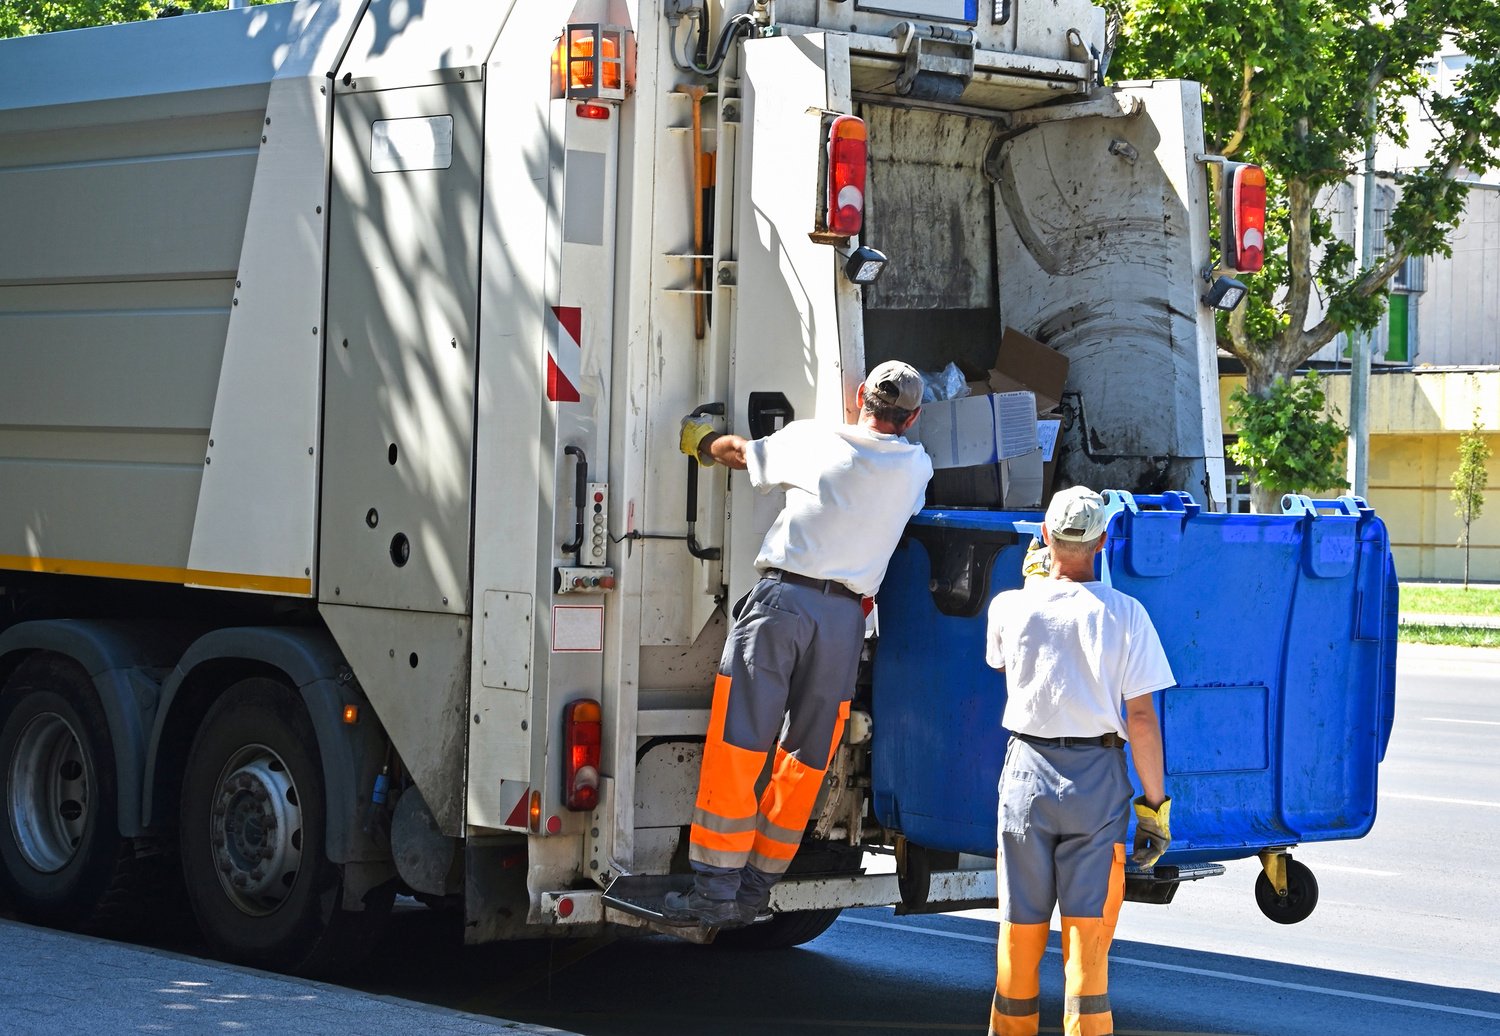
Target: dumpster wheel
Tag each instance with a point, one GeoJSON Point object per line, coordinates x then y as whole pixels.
{"type": "Point", "coordinates": [1301, 894]}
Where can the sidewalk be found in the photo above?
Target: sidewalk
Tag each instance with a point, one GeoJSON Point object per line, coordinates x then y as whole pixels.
{"type": "Point", "coordinates": [54, 983]}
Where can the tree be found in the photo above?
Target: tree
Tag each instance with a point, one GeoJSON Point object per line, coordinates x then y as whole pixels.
{"type": "Point", "coordinates": [1287, 83]}
{"type": "Point", "coordinates": [1469, 483]}
{"type": "Point", "coordinates": [26, 17]}
{"type": "Point", "coordinates": [1288, 440]}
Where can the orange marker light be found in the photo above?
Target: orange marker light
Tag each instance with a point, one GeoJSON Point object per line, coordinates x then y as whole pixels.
{"type": "Point", "coordinates": [351, 713]}
{"type": "Point", "coordinates": [574, 64]}
{"type": "Point", "coordinates": [535, 818]}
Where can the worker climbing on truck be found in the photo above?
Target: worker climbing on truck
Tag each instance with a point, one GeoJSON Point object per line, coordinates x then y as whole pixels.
{"type": "Point", "coordinates": [795, 645]}
{"type": "Point", "coordinates": [1075, 654]}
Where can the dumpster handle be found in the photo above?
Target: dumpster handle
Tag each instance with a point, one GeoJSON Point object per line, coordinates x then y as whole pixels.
{"type": "Point", "coordinates": [1172, 500]}
{"type": "Point", "coordinates": [1353, 506]}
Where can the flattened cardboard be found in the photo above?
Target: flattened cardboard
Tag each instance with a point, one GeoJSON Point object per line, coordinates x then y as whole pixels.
{"type": "Point", "coordinates": [1014, 484]}
{"type": "Point", "coordinates": [1023, 363]}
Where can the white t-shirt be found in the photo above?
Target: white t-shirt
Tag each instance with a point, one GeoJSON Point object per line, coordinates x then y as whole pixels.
{"type": "Point", "coordinates": [1072, 654]}
{"type": "Point", "coordinates": [850, 491]}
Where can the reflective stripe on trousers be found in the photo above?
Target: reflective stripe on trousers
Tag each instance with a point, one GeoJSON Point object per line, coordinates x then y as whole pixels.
{"type": "Point", "coordinates": [1063, 817]}
{"type": "Point", "coordinates": [788, 670]}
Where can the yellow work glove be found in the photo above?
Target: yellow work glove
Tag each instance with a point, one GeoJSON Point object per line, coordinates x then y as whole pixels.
{"type": "Point", "coordinates": [1153, 832]}
{"type": "Point", "coordinates": [697, 432]}
{"type": "Point", "coordinates": [1038, 561]}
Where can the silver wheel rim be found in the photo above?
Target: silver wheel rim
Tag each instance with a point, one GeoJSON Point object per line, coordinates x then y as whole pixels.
{"type": "Point", "coordinates": [50, 792]}
{"type": "Point", "coordinates": [255, 830]}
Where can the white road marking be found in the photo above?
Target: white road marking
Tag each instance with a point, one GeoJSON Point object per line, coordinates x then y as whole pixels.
{"type": "Point", "coordinates": [1477, 722]}
{"type": "Point", "coordinates": [1358, 870]}
{"type": "Point", "coordinates": [1434, 798]}
{"type": "Point", "coordinates": [1205, 972]}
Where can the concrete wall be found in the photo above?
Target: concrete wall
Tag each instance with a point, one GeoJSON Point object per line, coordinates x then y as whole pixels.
{"type": "Point", "coordinates": [1458, 316]}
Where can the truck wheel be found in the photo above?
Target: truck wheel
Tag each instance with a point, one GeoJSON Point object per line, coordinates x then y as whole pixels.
{"type": "Point", "coordinates": [252, 836]}
{"type": "Point", "coordinates": [1301, 895]}
{"type": "Point", "coordinates": [781, 932]}
{"type": "Point", "coordinates": [61, 853]}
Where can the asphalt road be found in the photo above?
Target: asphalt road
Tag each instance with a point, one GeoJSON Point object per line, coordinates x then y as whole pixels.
{"type": "Point", "coordinates": [1403, 940]}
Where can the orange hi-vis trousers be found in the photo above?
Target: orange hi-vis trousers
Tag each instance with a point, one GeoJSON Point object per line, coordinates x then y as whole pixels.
{"type": "Point", "coordinates": [784, 684]}
{"type": "Point", "coordinates": [1063, 817]}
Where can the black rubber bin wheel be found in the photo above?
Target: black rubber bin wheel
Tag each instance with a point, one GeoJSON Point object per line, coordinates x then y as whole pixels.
{"type": "Point", "coordinates": [1300, 899]}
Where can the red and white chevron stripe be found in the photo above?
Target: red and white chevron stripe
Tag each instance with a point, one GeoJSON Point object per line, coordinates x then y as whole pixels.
{"type": "Point", "coordinates": [564, 353]}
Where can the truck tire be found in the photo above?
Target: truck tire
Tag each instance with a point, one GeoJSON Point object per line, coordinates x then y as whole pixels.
{"type": "Point", "coordinates": [781, 932]}
{"type": "Point", "coordinates": [62, 859]}
{"type": "Point", "coordinates": [253, 825]}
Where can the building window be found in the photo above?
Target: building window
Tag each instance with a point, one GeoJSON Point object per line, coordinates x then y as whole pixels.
{"type": "Point", "coordinates": [1236, 490]}
{"type": "Point", "coordinates": [1412, 274]}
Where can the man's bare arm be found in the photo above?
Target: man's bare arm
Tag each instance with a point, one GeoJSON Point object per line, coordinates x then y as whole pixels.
{"type": "Point", "coordinates": [728, 450]}
{"type": "Point", "coordinates": [1146, 748]}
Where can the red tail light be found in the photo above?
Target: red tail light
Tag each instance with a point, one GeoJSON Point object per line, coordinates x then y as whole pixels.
{"type": "Point", "coordinates": [1245, 223]}
{"type": "Point", "coordinates": [847, 149]}
{"type": "Point", "coordinates": [581, 732]}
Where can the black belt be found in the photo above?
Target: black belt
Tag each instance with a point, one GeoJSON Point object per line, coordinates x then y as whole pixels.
{"type": "Point", "coordinates": [1110, 740]}
{"type": "Point", "coordinates": [823, 586]}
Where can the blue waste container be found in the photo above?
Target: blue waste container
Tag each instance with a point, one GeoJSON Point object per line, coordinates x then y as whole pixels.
{"type": "Point", "coordinates": [1280, 629]}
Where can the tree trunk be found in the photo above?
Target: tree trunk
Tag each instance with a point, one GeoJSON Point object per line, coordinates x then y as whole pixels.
{"type": "Point", "coordinates": [1264, 501]}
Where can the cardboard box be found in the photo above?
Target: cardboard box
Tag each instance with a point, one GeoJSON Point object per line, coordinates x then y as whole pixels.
{"type": "Point", "coordinates": [1024, 364]}
{"type": "Point", "coordinates": [976, 430]}
{"type": "Point", "coordinates": [1015, 484]}
{"type": "Point", "coordinates": [1011, 462]}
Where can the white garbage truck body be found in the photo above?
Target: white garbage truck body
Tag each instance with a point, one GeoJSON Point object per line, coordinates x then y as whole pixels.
{"type": "Point", "coordinates": [343, 349]}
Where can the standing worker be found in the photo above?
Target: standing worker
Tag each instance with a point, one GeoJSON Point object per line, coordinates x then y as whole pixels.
{"type": "Point", "coordinates": [1076, 654]}
{"type": "Point", "coordinates": [794, 649]}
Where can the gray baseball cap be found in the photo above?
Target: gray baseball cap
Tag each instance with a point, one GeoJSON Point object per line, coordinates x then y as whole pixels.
{"type": "Point", "coordinates": [895, 384]}
{"type": "Point", "coordinates": [1077, 513]}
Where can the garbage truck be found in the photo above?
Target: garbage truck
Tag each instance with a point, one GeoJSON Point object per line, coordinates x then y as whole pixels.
{"type": "Point", "coordinates": [346, 551]}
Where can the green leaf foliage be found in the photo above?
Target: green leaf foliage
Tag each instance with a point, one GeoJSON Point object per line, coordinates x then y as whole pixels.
{"type": "Point", "coordinates": [1471, 478]}
{"type": "Point", "coordinates": [27, 17]}
{"type": "Point", "coordinates": [1469, 483]}
{"type": "Point", "coordinates": [1290, 439]}
{"type": "Point", "coordinates": [1288, 84]}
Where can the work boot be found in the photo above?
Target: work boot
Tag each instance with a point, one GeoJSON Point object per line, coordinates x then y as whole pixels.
{"type": "Point", "coordinates": [694, 906]}
{"type": "Point", "coordinates": [752, 912]}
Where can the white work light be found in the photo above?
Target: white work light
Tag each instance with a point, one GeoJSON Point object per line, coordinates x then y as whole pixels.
{"type": "Point", "coordinates": [864, 264]}
{"type": "Point", "coordinates": [1225, 294]}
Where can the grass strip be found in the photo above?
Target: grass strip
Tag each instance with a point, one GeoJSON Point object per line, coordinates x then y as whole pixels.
{"type": "Point", "coordinates": [1423, 599]}
{"type": "Point", "coordinates": [1450, 636]}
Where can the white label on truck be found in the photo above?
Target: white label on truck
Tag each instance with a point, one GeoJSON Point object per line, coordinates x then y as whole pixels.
{"type": "Point", "coordinates": [577, 628]}
{"type": "Point", "coordinates": [948, 10]}
{"type": "Point", "coordinates": [425, 143]}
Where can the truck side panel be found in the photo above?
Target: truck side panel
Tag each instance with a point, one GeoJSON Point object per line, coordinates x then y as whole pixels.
{"type": "Point", "coordinates": [786, 334]}
{"type": "Point", "coordinates": [115, 288]}
{"type": "Point", "coordinates": [257, 511]}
